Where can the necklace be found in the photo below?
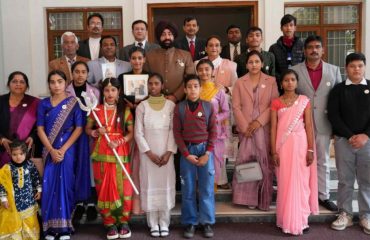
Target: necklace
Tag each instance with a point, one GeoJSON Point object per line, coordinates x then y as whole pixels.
{"type": "Point", "coordinates": [109, 127]}
{"type": "Point", "coordinates": [288, 101]}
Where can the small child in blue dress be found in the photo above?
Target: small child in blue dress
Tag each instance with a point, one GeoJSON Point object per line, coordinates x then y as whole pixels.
{"type": "Point", "coordinates": [20, 188]}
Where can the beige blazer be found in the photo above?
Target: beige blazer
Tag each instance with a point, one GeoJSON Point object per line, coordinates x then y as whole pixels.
{"type": "Point", "coordinates": [242, 101]}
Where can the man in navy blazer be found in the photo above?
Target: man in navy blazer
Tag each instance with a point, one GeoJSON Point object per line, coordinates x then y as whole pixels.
{"type": "Point", "coordinates": [140, 32]}
{"type": "Point", "coordinates": [316, 79]}
{"type": "Point", "coordinates": [191, 29]}
{"type": "Point", "coordinates": [90, 48]}
{"type": "Point", "coordinates": [108, 65]}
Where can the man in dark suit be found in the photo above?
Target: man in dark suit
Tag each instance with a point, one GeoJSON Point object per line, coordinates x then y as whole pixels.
{"type": "Point", "coordinates": [190, 42]}
{"type": "Point", "coordinates": [140, 32]}
{"type": "Point", "coordinates": [234, 47]}
{"type": "Point", "coordinates": [90, 48]}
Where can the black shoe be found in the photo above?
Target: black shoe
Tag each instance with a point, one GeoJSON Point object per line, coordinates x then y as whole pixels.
{"type": "Point", "coordinates": [306, 230]}
{"type": "Point", "coordinates": [78, 213]}
{"type": "Point", "coordinates": [91, 213]}
{"type": "Point", "coordinates": [189, 231]}
{"type": "Point", "coordinates": [207, 231]}
{"type": "Point", "coordinates": [328, 205]}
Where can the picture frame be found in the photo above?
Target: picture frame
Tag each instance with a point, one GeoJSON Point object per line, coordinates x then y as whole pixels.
{"type": "Point", "coordinates": [136, 85]}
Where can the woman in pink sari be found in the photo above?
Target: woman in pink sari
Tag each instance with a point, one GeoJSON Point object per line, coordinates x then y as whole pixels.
{"type": "Point", "coordinates": [292, 148]}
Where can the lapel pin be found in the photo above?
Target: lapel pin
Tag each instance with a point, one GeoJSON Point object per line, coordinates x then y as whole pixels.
{"type": "Point", "coordinates": [64, 107]}
{"type": "Point", "coordinates": [366, 91]}
{"type": "Point", "coordinates": [200, 114]}
{"type": "Point", "coordinates": [328, 84]}
{"type": "Point", "coordinates": [24, 105]}
{"type": "Point", "coordinates": [263, 85]}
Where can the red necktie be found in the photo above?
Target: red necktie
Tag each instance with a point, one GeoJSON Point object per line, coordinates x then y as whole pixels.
{"type": "Point", "coordinates": [192, 49]}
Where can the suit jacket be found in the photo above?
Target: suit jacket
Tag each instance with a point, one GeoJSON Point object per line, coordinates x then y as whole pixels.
{"type": "Point", "coordinates": [242, 101]}
{"type": "Point", "coordinates": [200, 46]}
{"type": "Point", "coordinates": [96, 74]}
{"type": "Point", "coordinates": [62, 65]}
{"type": "Point", "coordinates": [71, 91]}
{"type": "Point", "coordinates": [173, 64]}
{"type": "Point", "coordinates": [225, 53]}
{"type": "Point", "coordinates": [319, 98]}
{"type": "Point", "coordinates": [124, 52]}
{"type": "Point", "coordinates": [84, 49]}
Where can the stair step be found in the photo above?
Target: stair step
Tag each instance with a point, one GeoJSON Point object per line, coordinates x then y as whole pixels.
{"type": "Point", "coordinates": [228, 212]}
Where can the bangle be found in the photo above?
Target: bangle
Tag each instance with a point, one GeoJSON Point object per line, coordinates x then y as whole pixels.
{"type": "Point", "coordinates": [94, 133]}
{"type": "Point", "coordinates": [310, 150]}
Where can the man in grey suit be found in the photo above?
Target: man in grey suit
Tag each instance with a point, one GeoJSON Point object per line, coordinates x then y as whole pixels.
{"type": "Point", "coordinates": [316, 79]}
{"type": "Point", "coordinates": [140, 32]}
{"type": "Point", "coordinates": [108, 65]}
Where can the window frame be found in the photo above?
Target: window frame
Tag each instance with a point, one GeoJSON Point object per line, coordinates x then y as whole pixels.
{"type": "Point", "coordinates": [322, 29]}
{"type": "Point", "coordinates": [83, 34]}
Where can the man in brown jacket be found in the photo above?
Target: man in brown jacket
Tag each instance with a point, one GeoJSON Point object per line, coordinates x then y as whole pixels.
{"type": "Point", "coordinates": [172, 63]}
{"type": "Point", "coordinates": [69, 44]}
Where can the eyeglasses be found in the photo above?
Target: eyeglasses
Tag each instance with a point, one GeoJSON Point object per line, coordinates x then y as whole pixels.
{"type": "Point", "coordinates": [18, 82]}
{"type": "Point", "coordinates": [93, 24]}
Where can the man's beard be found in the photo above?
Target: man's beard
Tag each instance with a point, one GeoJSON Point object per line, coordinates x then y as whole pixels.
{"type": "Point", "coordinates": [166, 45]}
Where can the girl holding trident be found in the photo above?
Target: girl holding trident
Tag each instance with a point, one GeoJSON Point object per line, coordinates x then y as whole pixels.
{"type": "Point", "coordinates": [112, 185]}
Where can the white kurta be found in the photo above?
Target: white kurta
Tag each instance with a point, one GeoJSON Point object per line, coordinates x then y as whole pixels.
{"type": "Point", "coordinates": [153, 131]}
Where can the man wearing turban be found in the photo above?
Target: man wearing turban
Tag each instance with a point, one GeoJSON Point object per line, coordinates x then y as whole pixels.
{"type": "Point", "coordinates": [172, 63]}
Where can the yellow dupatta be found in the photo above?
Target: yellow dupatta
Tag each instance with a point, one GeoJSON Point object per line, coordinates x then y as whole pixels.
{"type": "Point", "coordinates": [10, 221]}
{"type": "Point", "coordinates": [209, 90]}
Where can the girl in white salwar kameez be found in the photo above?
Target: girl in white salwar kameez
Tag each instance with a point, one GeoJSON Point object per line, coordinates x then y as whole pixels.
{"type": "Point", "coordinates": [154, 137]}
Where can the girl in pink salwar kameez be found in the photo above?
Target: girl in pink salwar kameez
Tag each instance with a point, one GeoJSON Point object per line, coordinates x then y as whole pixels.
{"type": "Point", "coordinates": [293, 155]}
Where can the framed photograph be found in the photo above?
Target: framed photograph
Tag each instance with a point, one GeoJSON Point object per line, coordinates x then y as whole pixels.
{"type": "Point", "coordinates": [108, 70]}
{"type": "Point", "coordinates": [136, 85]}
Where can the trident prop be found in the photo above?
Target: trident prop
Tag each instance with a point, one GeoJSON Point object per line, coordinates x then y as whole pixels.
{"type": "Point", "coordinates": [89, 108]}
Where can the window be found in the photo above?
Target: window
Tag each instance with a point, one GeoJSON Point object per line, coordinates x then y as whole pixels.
{"type": "Point", "coordinates": [338, 24]}
{"type": "Point", "coordinates": [61, 20]}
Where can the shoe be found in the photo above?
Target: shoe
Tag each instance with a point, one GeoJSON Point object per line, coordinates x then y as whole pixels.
{"type": "Point", "coordinates": [328, 205]}
{"type": "Point", "coordinates": [251, 207]}
{"type": "Point", "coordinates": [49, 237]}
{"type": "Point", "coordinates": [189, 231]}
{"type": "Point", "coordinates": [78, 213]}
{"type": "Point", "coordinates": [91, 213]}
{"type": "Point", "coordinates": [207, 231]}
{"type": "Point", "coordinates": [112, 232]}
{"type": "Point", "coordinates": [124, 231]}
{"type": "Point", "coordinates": [154, 231]}
{"type": "Point", "coordinates": [65, 237]}
{"type": "Point", "coordinates": [365, 224]}
{"type": "Point", "coordinates": [224, 186]}
{"type": "Point", "coordinates": [306, 230]}
{"type": "Point", "coordinates": [344, 220]}
{"type": "Point", "coordinates": [165, 232]}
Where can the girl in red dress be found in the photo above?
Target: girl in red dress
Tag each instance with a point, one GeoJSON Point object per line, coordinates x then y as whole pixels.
{"type": "Point", "coordinates": [113, 188]}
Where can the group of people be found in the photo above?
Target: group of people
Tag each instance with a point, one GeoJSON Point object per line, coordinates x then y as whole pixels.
{"type": "Point", "coordinates": [285, 103]}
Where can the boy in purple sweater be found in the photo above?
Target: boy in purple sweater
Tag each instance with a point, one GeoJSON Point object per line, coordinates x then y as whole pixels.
{"type": "Point", "coordinates": [194, 127]}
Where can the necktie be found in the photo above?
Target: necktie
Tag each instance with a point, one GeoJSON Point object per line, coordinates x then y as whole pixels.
{"type": "Point", "coordinates": [235, 51]}
{"type": "Point", "coordinates": [140, 44]}
{"type": "Point", "coordinates": [192, 49]}
{"type": "Point", "coordinates": [71, 62]}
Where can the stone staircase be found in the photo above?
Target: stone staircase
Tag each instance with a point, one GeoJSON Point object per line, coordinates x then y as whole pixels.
{"type": "Point", "coordinates": [226, 211]}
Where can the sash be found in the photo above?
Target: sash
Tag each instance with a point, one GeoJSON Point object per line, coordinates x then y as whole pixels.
{"type": "Point", "coordinates": [59, 123]}
{"type": "Point", "coordinates": [300, 109]}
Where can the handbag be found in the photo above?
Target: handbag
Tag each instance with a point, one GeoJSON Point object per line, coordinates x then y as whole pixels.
{"type": "Point", "coordinates": [250, 171]}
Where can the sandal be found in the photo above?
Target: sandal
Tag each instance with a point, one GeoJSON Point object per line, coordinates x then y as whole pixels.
{"type": "Point", "coordinates": [154, 231]}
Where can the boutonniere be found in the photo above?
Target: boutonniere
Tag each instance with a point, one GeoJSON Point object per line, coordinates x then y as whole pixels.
{"type": "Point", "coordinates": [24, 105]}
{"type": "Point", "coordinates": [180, 62]}
{"type": "Point", "coordinates": [200, 114]}
{"type": "Point", "coordinates": [267, 68]}
{"type": "Point", "coordinates": [366, 91]}
{"type": "Point", "coordinates": [202, 53]}
{"type": "Point", "coordinates": [328, 84]}
{"type": "Point", "coordinates": [263, 85]}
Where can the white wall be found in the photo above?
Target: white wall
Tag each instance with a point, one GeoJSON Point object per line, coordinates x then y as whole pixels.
{"type": "Point", "coordinates": [23, 35]}
{"type": "Point", "coordinates": [2, 74]}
